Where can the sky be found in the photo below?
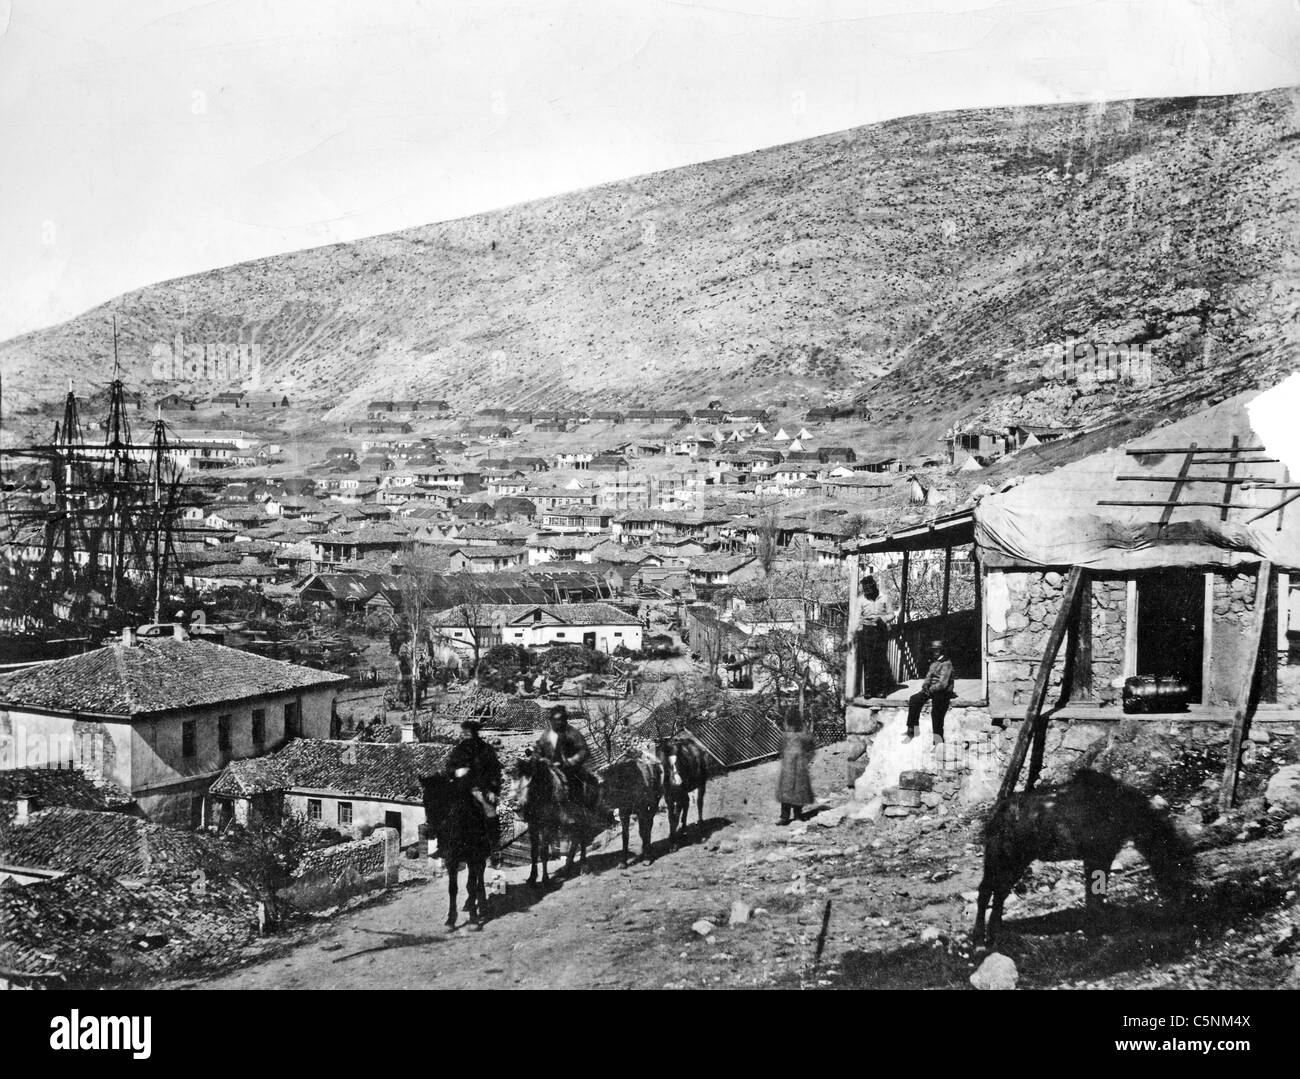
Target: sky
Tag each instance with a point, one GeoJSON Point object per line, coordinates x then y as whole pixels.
{"type": "Point", "coordinates": [142, 140]}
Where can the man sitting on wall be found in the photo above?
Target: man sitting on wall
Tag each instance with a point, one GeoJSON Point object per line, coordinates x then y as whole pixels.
{"type": "Point", "coordinates": [937, 689]}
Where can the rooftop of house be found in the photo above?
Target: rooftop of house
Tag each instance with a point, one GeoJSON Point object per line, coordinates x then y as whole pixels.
{"type": "Point", "coordinates": [573, 614]}
{"type": "Point", "coordinates": [50, 787]}
{"type": "Point", "coordinates": [720, 563]}
{"type": "Point", "coordinates": [387, 770]}
{"type": "Point", "coordinates": [154, 676]}
{"type": "Point", "coordinates": [115, 844]}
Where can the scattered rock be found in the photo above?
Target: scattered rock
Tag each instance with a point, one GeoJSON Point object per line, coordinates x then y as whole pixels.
{"type": "Point", "coordinates": [996, 972]}
{"type": "Point", "coordinates": [703, 927]}
{"type": "Point", "coordinates": [930, 933]}
{"type": "Point", "coordinates": [831, 818]}
{"type": "Point", "coordinates": [1284, 788]}
{"type": "Point", "coordinates": [740, 913]}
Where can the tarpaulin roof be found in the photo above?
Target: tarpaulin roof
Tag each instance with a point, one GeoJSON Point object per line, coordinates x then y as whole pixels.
{"type": "Point", "coordinates": [1056, 519]}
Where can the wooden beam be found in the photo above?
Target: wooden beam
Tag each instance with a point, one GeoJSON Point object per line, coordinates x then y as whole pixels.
{"type": "Point", "coordinates": [1194, 448]}
{"type": "Point", "coordinates": [1228, 793]}
{"type": "Point", "coordinates": [1168, 511]}
{"type": "Point", "coordinates": [1199, 479]}
{"type": "Point", "coordinates": [1273, 509]}
{"type": "Point", "coordinates": [1227, 484]}
{"type": "Point", "coordinates": [1041, 681]}
{"type": "Point", "coordinates": [1177, 502]}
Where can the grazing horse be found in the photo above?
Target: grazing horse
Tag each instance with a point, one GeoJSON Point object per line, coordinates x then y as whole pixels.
{"type": "Point", "coordinates": [1090, 817]}
{"type": "Point", "coordinates": [630, 786]}
{"type": "Point", "coordinates": [465, 834]}
{"type": "Point", "coordinates": [685, 769]}
{"type": "Point", "coordinates": [544, 801]}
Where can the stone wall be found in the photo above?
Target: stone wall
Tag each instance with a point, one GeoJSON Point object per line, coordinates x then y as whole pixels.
{"type": "Point", "coordinates": [327, 877]}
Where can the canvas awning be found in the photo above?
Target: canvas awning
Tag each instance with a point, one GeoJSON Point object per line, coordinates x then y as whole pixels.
{"type": "Point", "coordinates": [950, 530]}
{"type": "Point", "coordinates": [1105, 512]}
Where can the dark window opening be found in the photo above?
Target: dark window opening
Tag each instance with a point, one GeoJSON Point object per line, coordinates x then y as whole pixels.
{"type": "Point", "coordinates": [189, 738]}
{"type": "Point", "coordinates": [259, 726]}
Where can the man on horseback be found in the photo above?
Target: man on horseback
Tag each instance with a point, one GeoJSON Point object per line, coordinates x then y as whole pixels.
{"type": "Point", "coordinates": [475, 763]}
{"type": "Point", "coordinates": [565, 746]}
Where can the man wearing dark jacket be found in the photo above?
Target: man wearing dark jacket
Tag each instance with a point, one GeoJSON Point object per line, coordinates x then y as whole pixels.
{"type": "Point", "coordinates": [937, 689]}
{"type": "Point", "coordinates": [474, 761]}
{"type": "Point", "coordinates": [565, 745]}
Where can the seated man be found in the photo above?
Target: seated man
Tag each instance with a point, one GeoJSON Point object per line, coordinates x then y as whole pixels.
{"type": "Point", "coordinates": [937, 689]}
{"type": "Point", "coordinates": [564, 745]}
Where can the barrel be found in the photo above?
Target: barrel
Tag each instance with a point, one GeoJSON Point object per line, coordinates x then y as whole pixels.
{"type": "Point", "coordinates": [1156, 693]}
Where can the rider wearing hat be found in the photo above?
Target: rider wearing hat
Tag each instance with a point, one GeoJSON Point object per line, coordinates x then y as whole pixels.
{"type": "Point", "coordinates": [475, 762]}
{"type": "Point", "coordinates": [564, 745]}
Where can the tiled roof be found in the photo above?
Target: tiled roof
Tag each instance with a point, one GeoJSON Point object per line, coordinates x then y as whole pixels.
{"type": "Point", "coordinates": [573, 614]}
{"type": "Point", "coordinates": [154, 676]}
{"type": "Point", "coordinates": [365, 769]}
{"type": "Point", "coordinates": [70, 787]}
{"type": "Point", "coordinates": [116, 844]}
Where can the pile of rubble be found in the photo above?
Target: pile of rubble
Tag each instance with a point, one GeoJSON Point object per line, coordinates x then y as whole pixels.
{"type": "Point", "coordinates": [920, 793]}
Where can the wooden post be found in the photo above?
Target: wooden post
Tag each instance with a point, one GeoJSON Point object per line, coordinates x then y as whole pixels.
{"type": "Point", "coordinates": [902, 617]}
{"type": "Point", "coordinates": [1041, 682]}
{"type": "Point", "coordinates": [1254, 634]}
{"type": "Point", "coordinates": [1081, 656]}
{"type": "Point", "coordinates": [855, 609]}
{"type": "Point", "coordinates": [947, 581]}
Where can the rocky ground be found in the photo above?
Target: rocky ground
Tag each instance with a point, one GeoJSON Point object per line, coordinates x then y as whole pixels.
{"type": "Point", "coordinates": [830, 902]}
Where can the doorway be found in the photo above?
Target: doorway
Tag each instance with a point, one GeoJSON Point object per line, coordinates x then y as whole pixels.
{"type": "Point", "coordinates": [1171, 626]}
{"type": "Point", "coordinates": [393, 819]}
{"type": "Point", "coordinates": [589, 640]}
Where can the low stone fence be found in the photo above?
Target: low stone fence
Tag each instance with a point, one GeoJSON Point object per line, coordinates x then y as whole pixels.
{"type": "Point", "coordinates": [328, 877]}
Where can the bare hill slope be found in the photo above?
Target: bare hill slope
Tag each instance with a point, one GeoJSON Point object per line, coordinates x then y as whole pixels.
{"type": "Point", "coordinates": [922, 263]}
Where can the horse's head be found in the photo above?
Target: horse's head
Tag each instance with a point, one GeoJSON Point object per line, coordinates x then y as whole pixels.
{"type": "Point", "coordinates": [666, 751]}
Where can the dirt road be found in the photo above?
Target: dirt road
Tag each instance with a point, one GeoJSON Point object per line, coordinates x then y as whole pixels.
{"type": "Point", "coordinates": [899, 901]}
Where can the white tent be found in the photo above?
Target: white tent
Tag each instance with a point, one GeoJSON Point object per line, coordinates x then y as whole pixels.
{"type": "Point", "coordinates": [781, 436]}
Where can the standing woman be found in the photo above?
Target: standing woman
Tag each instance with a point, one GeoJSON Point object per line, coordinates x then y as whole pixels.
{"type": "Point", "coordinates": [875, 677]}
{"type": "Point", "coordinates": [794, 787]}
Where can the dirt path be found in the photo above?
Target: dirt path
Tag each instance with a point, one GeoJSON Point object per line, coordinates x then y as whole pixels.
{"type": "Point", "coordinates": [900, 909]}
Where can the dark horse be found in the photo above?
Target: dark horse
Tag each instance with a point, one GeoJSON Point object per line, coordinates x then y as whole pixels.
{"type": "Point", "coordinates": [633, 786]}
{"type": "Point", "coordinates": [465, 834]}
{"type": "Point", "coordinates": [685, 769]}
{"type": "Point", "coordinates": [544, 801]}
{"type": "Point", "coordinates": [1090, 817]}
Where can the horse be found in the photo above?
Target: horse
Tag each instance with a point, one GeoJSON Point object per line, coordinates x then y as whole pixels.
{"type": "Point", "coordinates": [547, 806]}
{"type": "Point", "coordinates": [630, 786]}
{"type": "Point", "coordinates": [685, 769]}
{"type": "Point", "coordinates": [1089, 817]}
{"type": "Point", "coordinates": [465, 834]}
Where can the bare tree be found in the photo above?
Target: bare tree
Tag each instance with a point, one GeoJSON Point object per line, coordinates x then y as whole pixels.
{"type": "Point", "coordinates": [608, 721]}
{"type": "Point", "coordinates": [769, 527]}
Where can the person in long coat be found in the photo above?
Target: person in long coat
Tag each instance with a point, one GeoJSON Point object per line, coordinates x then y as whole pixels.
{"type": "Point", "coordinates": [794, 787]}
{"type": "Point", "coordinates": [875, 679]}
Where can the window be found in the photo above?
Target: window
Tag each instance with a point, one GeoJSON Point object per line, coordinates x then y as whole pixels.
{"type": "Point", "coordinates": [313, 809]}
{"type": "Point", "coordinates": [223, 735]}
{"type": "Point", "coordinates": [189, 738]}
{"type": "Point", "coordinates": [259, 726]}
{"type": "Point", "coordinates": [617, 634]}
{"type": "Point", "coordinates": [293, 719]}
{"type": "Point", "coordinates": [345, 812]}
{"type": "Point", "coordinates": [559, 634]}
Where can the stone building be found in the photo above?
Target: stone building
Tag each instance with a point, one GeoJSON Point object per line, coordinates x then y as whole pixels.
{"type": "Point", "coordinates": [160, 718]}
{"type": "Point", "coordinates": [1147, 563]}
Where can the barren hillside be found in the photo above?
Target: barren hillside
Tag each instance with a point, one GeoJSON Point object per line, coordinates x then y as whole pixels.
{"type": "Point", "coordinates": [921, 264]}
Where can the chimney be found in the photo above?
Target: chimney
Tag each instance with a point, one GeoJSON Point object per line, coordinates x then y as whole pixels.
{"type": "Point", "coordinates": [22, 807]}
{"type": "Point", "coordinates": [128, 636]}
